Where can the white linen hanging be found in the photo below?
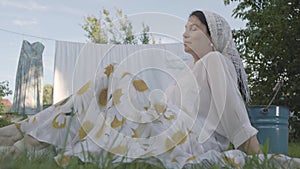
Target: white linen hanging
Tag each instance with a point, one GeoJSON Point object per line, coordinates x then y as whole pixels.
{"type": "Point", "coordinates": [76, 63]}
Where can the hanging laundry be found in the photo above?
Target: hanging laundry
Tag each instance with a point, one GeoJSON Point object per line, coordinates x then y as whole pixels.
{"type": "Point", "coordinates": [28, 94]}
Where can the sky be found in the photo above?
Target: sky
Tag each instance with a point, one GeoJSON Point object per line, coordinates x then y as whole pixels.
{"type": "Point", "coordinates": [48, 20]}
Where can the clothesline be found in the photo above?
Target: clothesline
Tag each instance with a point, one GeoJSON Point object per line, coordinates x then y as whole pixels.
{"type": "Point", "coordinates": [41, 37]}
{"type": "Point", "coordinates": [25, 34]}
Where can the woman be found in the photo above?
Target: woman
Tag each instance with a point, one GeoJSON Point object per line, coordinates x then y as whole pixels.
{"type": "Point", "coordinates": [218, 112]}
{"type": "Point", "coordinates": [213, 34]}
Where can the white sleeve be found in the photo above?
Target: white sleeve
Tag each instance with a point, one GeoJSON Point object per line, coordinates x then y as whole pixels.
{"type": "Point", "coordinates": [227, 114]}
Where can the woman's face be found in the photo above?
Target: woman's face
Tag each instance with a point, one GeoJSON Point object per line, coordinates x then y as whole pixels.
{"type": "Point", "coordinates": [197, 41]}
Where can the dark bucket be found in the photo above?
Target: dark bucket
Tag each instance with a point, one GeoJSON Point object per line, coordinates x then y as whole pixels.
{"type": "Point", "coordinates": [272, 125]}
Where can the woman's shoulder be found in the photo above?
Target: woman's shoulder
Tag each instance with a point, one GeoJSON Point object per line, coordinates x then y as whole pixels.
{"type": "Point", "coordinates": [212, 55]}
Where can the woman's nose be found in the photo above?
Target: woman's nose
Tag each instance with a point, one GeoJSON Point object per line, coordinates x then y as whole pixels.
{"type": "Point", "coordinates": [185, 34]}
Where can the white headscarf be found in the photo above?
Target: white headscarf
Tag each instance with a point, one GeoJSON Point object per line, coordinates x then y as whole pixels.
{"type": "Point", "coordinates": [221, 35]}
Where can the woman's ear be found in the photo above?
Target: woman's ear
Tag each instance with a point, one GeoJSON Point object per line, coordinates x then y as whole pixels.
{"type": "Point", "coordinates": [212, 46]}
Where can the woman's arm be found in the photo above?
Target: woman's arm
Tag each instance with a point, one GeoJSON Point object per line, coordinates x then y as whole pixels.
{"type": "Point", "coordinates": [227, 113]}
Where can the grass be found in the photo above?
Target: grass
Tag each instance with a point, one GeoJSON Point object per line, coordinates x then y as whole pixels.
{"type": "Point", "coordinates": [45, 160]}
{"type": "Point", "coordinates": [294, 149]}
{"type": "Point", "coordinates": [4, 122]}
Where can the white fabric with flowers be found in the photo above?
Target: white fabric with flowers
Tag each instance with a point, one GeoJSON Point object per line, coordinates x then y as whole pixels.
{"type": "Point", "coordinates": [118, 115]}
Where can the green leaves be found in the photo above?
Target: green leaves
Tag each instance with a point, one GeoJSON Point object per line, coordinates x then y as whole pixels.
{"type": "Point", "coordinates": [47, 94]}
{"type": "Point", "coordinates": [93, 28]}
{"type": "Point", "coordinates": [270, 48]}
{"type": "Point", "coordinates": [4, 91]}
{"type": "Point", "coordinates": [111, 30]}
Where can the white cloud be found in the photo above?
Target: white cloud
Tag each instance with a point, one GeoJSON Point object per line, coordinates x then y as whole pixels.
{"type": "Point", "coordinates": [72, 11]}
{"type": "Point", "coordinates": [19, 22]}
{"type": "Point", "coordinates": [29, 5]}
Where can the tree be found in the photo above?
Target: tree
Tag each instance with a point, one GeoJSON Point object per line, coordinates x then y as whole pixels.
{"type": "Point", "coordinates": [4, 91]}
{"type": "Point", "coordinates": [47, 94]}
{"type": "Point", "coordinates": [119, 31]}
{"type": "Point", "coordinates": [270, 45]}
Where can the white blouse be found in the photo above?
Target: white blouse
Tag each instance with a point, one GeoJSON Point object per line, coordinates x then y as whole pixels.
{"type": "Point", "coordinates": [222, 116]}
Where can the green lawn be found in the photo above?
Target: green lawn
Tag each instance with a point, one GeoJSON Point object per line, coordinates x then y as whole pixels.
{"type": "Point", "coordinates": [294, 149]}
{"type": "Point", "coordinates": [46, 161]}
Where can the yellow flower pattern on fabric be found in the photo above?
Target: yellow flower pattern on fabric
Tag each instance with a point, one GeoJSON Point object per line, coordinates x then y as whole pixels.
{"type": "Point", "coordinates": [149, 154]}
{"type": "Point", "coordinates": [63, 161]}
{"type": "Point", "coordinates": [100, 131]}
{"type": "Point", "coordinates": [102, 98]}
{"type": "Point", "coordinates": [190, 159]}
{"type": "Point", "coordinates": [140, 85]}
{"type": "Point", "coordinates": [18, 126]}
{"type": "Point", "coordinates": [135, 135]}
{"type": "Point", "coordinates": [116, 96]}
{"type": "Point", "coordinates": [160, 108]}
{"type": "Point", "coordinates": [278, 155]}
{"type": "Point", "coordinates": [62, 102]}
{"type": "Point", "coordinates": [121, 149]}
{"type": "Point", "coordinates": [117, 123]}
{"type": "Point", "coordinates": [86, 127]}
{"type": "Point", "coordinates": [171, 117]}
{"type": "Point", "coordinates": [179, 137]}
{"type": "Point", "coordinates": [83, 89]}
{"type": "Point", "coordinates": [34, 119]}
{"type": "Point", "coordinates": [170, 145]}
{"type": "Point", "coordinates": [174, 160]}
{"type": "Point", "coordinates": [125, 74]}
{"type": "Point", "coordinates": [59, 121]}
{"type": "Point", "coordinates": [232, 162]}
{"type": "Point", "coordinates": [108, 70]}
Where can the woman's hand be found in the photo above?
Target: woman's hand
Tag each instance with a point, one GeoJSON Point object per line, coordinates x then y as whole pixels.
{"type": "Point", "coordinates": [251, 146]}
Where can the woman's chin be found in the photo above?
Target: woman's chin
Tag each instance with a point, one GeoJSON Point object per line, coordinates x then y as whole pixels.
{"type": "Point", "coordinates": [187, 49]}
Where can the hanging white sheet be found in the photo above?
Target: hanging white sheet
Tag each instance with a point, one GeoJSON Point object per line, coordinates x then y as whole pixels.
{"type": "Point", "coordinates": [76, 63]}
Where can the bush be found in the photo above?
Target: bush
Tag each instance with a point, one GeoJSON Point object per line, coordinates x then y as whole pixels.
{"type": "Point", "coordinates": [4, 91]}
{"type": "Point", "coordinates": [294, 128]}
{"type": "Point", "coordinates": [4, 122]}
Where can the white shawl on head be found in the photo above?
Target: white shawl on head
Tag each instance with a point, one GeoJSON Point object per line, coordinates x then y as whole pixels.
{"type": "Point", "coordinates": [222, 40]}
